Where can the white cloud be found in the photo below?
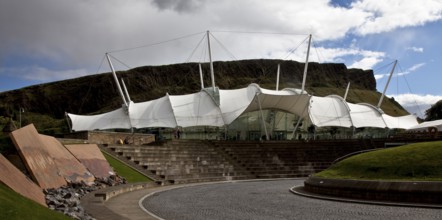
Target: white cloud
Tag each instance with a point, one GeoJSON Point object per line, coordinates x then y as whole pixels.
{"type": "Point", "coordinates": [408, 99]}
{"type": "Point", "coordinates": [366, 62]}
{"type": "Point", "coordinates": [411, 69]}
{"type": "Point", "coordinates": [406, 72]}
{"type": "Point", "coordinates": [417, 103]}
{"type": "Point", "coordinates": [416, 66]}
{"type": "Point", "coordinates": [380, 76]}
{"type": "Point", "coordinates": [179, 5]}
{"type": "Point", "coordinates": [416, 49]}
{"type": "Point", "coordinates": [389, 15]}
{"type": "Point", "coordinates": [365, 59]}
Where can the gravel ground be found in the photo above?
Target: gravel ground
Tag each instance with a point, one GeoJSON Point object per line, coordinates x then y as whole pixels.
{"type": "Point", "coordinates": [266, 200]}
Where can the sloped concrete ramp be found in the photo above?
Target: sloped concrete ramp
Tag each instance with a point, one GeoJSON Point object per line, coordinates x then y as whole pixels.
{"type": "Point", "coordinates": [91, 156]}
{"type": "Point", "coordinates": [36, 158]}
{"type": "Point", "coordinates": [68, 166]}
{"type": "Point", "coordinates": [17, 181]}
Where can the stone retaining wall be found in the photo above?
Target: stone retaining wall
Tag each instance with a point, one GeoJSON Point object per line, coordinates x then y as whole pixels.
{"type": "Point", "coordinates": [393, 191]}
{"type": "Point", "coordinates": [102, 137]}
{"type": "Point", "coordinates": [108, 193]}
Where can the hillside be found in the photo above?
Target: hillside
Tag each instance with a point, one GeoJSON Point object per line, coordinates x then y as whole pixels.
{"type": "Point", "coordinates": [98, 93]}
{"type": "Point", "coordinates": [418, 161]}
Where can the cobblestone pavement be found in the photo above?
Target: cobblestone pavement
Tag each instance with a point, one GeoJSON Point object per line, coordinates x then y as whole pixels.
{"type": "Point", "coordinates": [267, 200]}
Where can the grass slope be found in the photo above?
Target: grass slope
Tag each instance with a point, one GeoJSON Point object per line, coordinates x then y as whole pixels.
{"type": "Point", "coordinates": [420, 162]}
{"type": "Point", "coordinates": [131, 175]}
{"type": "Point", "coordinates": [15, 206]}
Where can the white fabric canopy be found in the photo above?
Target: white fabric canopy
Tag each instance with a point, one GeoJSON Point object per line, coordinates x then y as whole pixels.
{"type": "Point", "coordinates": [329, 111]}
{"type": "Point", "coordinates": [201, 109]}
{"type": "Point", "coordinates": [366, 115]}
{"type": "Point", "coordinates": [234, 102]}
{"type": "Point", "coordinates": [404, 122]}
{"type": "Point", "coordinates": [155, 113]}
{"type": "Point", "coordinates": [428, 124]}
{"type": "Point", "coordinates": [114, 119]}
{"type": "Point", "coordinates": [198, 109]}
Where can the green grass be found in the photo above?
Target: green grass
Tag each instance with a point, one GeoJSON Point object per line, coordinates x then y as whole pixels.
{"type": "Point", "coordinates": [15, 206]}
{"type": "Point", "coordinates": [131, 175]}
{"type": "Point", "coordinates": [419, 162]}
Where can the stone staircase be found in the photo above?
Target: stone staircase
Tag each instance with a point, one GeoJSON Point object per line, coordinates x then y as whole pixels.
{"type": "Point", "coordinates": [180, 161]}
{"type": "Point", "coordinates": [288, 159]}
{"type": "Point", "coordinates": [265, 160]}
{"type": "Point", "coordinates": [112, 151]}
{"type": "Point", "coordinates": [189, 161]}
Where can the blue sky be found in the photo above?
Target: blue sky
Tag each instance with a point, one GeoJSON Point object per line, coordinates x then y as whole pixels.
{"type": "Point", "coordinates": [51, 40]}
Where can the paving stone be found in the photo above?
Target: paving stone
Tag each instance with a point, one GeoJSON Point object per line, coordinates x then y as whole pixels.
{"type": "Point", "coordinates": [267, 200]}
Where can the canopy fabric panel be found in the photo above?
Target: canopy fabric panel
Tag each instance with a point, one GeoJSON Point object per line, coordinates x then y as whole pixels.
{"type": "Point", "coordinates": [233, 103]}
{"type": "Point", "coordinates": [295, 104]}
{"type": "Point", "coordinates": [329, 111]}
{"type": "Point", "coordinates": [428, 124]}
{"type": "Point", "coordinates": [401, 122]}
{"type": "Point", "coordinates": [155, 113]}
{"type": "Point", "coordinates": [110, 120]}
{"type": "Point", "coordinates": [287, 100]}
{"type": "Point", "coordinates": [365, 115]}
{"type": "Point", "coordinates": [198, 109]}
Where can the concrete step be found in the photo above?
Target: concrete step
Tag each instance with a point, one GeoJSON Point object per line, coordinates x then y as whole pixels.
{"type": "Point", "coordinates": [199, 180]}
{"type": "Point", "coordinates": [147, 161]}
{"type": "Point", "coordinates": [213, 172]}
{"type": "Point", "coordinates": [178, 160]}
{"type": "Point", "coordinates": [164, 151]}
{"type": "Point", "coordinates": [197, 176]}
{"type": "Point", "coordinates": [273, 176]}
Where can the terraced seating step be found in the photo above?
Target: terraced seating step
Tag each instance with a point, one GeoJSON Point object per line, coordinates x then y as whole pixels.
{"type": "Point", "coordinates": [162, 169]}
{"type": "Point", "coordinates": [182, 161]}
{"type": "Point", "coordinates": [199, 180]}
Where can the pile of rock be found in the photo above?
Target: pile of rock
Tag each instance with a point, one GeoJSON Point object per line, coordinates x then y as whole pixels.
{"type": "Point", "coordinates": [66, 199]}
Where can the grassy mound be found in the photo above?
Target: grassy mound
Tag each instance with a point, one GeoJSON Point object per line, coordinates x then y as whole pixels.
{"type": "Point", "coordinates": [15, 206]}
{"type": "Point", "coordinates": [420, 162]}
{"type": "Point", "coordinates": [127, 172]}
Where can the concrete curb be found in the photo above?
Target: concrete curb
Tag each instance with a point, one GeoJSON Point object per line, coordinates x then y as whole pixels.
{"type": "Point", "coordinates": [300, 190]}
{"type": "Point", "coordinates": [404, 193]}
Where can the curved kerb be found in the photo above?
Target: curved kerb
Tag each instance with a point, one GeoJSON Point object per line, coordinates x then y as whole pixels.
{"type": "Point", "coordinates": [392, 193]}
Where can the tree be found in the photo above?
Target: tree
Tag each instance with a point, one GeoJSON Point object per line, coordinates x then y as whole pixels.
{"type": "Point", "coordinates": [435, 112]}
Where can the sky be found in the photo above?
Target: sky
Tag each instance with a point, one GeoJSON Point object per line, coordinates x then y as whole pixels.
{"type": "Point", "coordinates": [50, 40]}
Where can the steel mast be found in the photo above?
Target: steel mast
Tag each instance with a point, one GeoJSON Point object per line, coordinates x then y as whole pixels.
{"type": "Point", "coordinates": [116, 81]}
{"type": "Point", "coordinates": [306, 64]}
{"type": "Point", "coordinates": [212, 74]}
{"type": "Point", "coordinates": [386, 86]}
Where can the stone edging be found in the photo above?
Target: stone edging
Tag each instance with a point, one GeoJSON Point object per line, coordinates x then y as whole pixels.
{"type": "Point", "coordinates": [110, 192]}
{"type": "Point", "coordinates": [416, 192]}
